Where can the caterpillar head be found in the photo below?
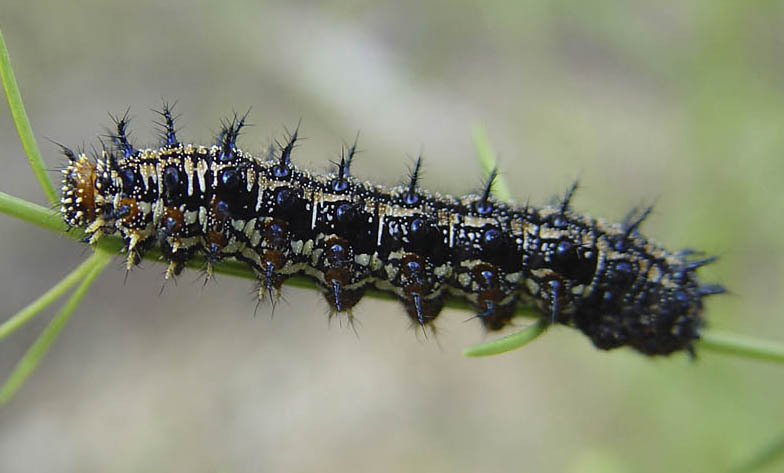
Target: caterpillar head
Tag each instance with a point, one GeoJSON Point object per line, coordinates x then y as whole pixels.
{"type": "Point", "coordinates": [77, 203]}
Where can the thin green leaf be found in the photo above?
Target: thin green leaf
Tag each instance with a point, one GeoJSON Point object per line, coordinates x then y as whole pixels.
{"type": "Point", "coordinates": [25, 315]}
{"type": "Point", "coordinates": [33, 213]}
{"type": "Point", "coordinates": [739, 345]}
{"type": "Point", "coordinates": [508, 343]}
{"type": "Point", "coordinates": [45, 218]}
{"type": "Point", "coordinates": [38, 349]}
{"type": "Point", "coordinates": [488, 161]}
{"type": "Point", "coordinates": [23, 124]}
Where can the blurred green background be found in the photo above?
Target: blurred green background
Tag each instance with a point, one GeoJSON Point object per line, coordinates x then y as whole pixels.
{"type": "Point", "coordinates": [675, 102]}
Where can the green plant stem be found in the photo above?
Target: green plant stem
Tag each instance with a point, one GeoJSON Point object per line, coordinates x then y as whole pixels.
{"type": "Point", "coordinates": [25, 315]}
{"type": "Point", "coordinates": [38, 349]}
{"type": "Point", "coordinates": [45, 218]}
{"type": "Point", "coordinates": [32, 213]}
{"type": "Point", "coordinates": [744, 346]}
{"type": "Point", "coordinates": [488, 162]}
{"type": "Point", "coordinates": [23, 124]}
{"type": "Point", "coordinates": [508, 343]}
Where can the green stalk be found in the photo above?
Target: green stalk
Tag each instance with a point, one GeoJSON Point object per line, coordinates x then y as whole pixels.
{"type": "Point", "coordinates": [38, 349]}
{"type": "Point", "coordinates": [32, 213]}
{"type": "Point", "coordinates": [25, 315]}
{"type": "Point", "coordinates": [739, 345]}
{"type": "Point", "coordinates": [45, 218]}
{"type": "Point", "coordinates": [508, 343]}
{"type": "Point", "coordinates": [488, 162]}
{"type": "Point", "coordinates": [23, 124]}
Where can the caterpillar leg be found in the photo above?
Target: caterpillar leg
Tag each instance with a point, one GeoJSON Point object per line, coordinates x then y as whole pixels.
{"type": "Point", "coordinates": [341, 300]}
{"type": "Point", "coordinates": [495, 315]}
{"type": "Point", "coordinates": [423, 311]}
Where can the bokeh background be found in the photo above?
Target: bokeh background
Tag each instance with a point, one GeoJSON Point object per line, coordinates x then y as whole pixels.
{"type": "Point", "coordinates": [675, 102]}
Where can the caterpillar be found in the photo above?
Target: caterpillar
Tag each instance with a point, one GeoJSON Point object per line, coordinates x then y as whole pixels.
{"type": "Point", "coordinates": [607, 280]}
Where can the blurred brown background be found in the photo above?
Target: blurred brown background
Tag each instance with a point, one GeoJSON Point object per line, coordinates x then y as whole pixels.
{"type": "Point", "coordinates": [644, 101]}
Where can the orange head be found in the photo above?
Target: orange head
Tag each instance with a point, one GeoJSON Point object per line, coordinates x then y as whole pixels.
{"type": "Point", "coordinates": [77, 203]}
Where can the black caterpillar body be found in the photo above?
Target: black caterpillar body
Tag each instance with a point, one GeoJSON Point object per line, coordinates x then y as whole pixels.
{"type": "Point", "coordinates": [217, 201]}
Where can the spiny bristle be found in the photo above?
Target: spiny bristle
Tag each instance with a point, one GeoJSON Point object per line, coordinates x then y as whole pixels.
{"type": "Point", "coordinates": [567, 200]}
{"type": "Point", "coordinates": [291, 141]}
{"type": "Point", "coordinates": [488, 187]}
{"type": "Point", "coordinates": [166, 127]}
{"type": "Point", "coordinates": [711, 289]}
{"type": "Point", "coordinates": [120, 137]}
{"type": "Point", "coordinates": [692, 265]}
{"type": "Point", "coordinates": [632, 221]}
